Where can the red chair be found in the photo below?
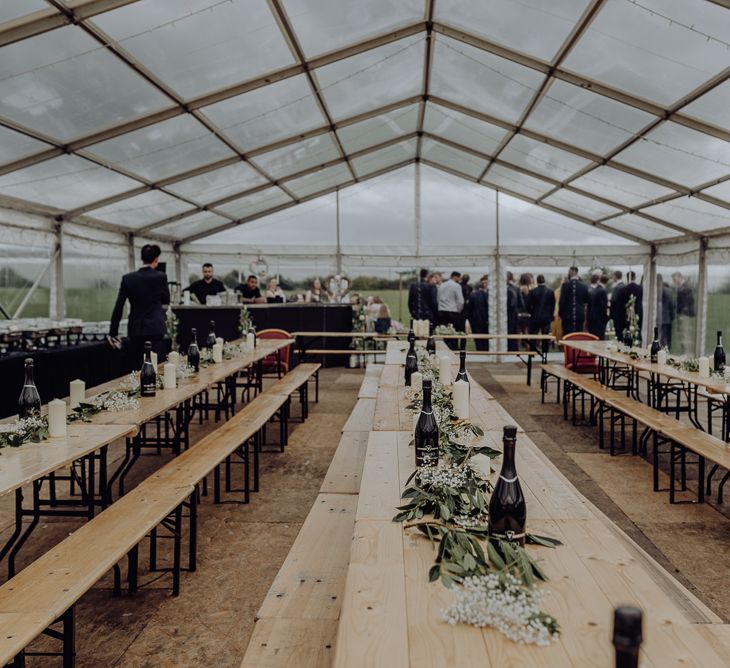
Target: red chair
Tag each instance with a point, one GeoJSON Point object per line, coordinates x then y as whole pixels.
{"type": "Point", "coordinates": [275, 363]}
{"type": "Point", "coordinates": [578, 361]}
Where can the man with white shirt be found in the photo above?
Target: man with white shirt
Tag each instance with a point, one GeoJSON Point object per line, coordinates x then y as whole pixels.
{"type": "Point", "coordinates": [451, 304]}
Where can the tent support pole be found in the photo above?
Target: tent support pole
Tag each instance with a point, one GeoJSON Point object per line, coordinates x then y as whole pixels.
{"type": "Point", "coordinates": [499, 287]}
{"type": "Point", "coordinates": [57, 306]}
{"type": "Point", "coordinates": [701, 298]}
{"type": "Point", "coordinates": [130, 252]}
{"type": "Point", "coordinates": [650, 319]}
{"type": "Point", "coordinates": [337, 222]}
{"type": "Point", "coordinates": [417, 208]}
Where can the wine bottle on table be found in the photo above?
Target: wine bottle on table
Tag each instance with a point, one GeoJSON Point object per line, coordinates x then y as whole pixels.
{"type": "Point", "coordinates": [148, 374]}
{"type": "Point", "coordinates": [29, 401]}
{"type": "Point", "coordinates": [627, 636]}
{"type": "Point", "coordinates": [655, 346]}
{"type": "Point", "coordinates": [719, 357]}
{"type": "Point", "coordinates": [427, 431]}
{"type": "Point", "coordinates": [193, 351]}
{"type": "Point", "coordinates": [210, 341]}
{"type": "Point", "coordinates": [411, 361]}
{"type": "Point", "coordinates": [507, 510]}
{"type": "Point", "coordinates": [462, 367]}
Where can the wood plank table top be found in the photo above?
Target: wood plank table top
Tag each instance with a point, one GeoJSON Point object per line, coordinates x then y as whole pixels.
{"type": "Point", "coordinates": [391, 613]}
{"type": "Point", "coordinates": [31, 461]}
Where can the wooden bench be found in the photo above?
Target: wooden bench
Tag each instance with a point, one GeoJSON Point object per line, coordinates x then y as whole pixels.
{"type": "Point", "coordinates": [298, 380]}
{"type": "Point", "coordinates": [297, 622]}
{"type": "Point", "coordinates": [660, 427]}
{"type": "Point", "coordinates": [45, 592]}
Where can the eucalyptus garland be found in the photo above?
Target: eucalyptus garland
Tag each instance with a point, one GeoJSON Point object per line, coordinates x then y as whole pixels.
{"type": "Point", "coordinates": [495, 580]}
{"type": "Point", "coordinates": [32, 429]}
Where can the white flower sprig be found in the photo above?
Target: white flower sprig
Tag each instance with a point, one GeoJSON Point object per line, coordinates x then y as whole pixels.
{"type": "Point", "coordinates": [30, 429]}
{"type": "Point", "coordinates": [117, 401]}
{"type": "Point", "coordinates": [502, 602]}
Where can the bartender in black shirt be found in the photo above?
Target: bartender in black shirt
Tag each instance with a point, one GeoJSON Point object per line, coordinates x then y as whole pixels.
{"type": "Point", "coordinates": [206, 285]}
{"type": "Point", "coordinates": [250, 292]}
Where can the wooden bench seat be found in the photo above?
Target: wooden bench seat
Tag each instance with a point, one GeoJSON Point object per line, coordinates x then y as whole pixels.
{"type": "Point", "coordinates": [298, 380]}
{"type": "Point", "coordinates": [46, 591]}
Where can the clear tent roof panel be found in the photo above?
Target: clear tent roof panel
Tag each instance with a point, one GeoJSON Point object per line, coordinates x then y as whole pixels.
{"type": "Point", "coordinates": [385, 157]}
{"type": "Point", "coordinates": [529, 186]}
{"type": "Point", "coordinates": [14, 9]}
{"type": "Point", "coordinates": [65, 182]}
{"type": "Point", "coordinates": [255, 203]}
{"type": "Point", "coordinates": [141, 210]}
{"type": "Point", "coordinates": [323, 25]}
{"type": "Point", "coordinates": [542, 158]}
{"type": "Point", "coordinates": [374, 78]}
{"type": "Point", "coordinates": [474, 78]}
{"type": "Point", "coordinates": [721, 191]}
{"type": "Point", "coordinates": [531, 26]}
{"type": "Point", "coordinates": [321, 180]}
{"type": "Point", "coordinates": [196, 46]}
{"type": "Point", "coordinates": [267, 114]}
{"type": "Point", "coordinates": [583, 206]}
{"type": "Point", "coordinates": [692, 213]}
{"type": "Point", "coordinates": [463, 129]}
{"type": "Point", "coordinates": [163, 149]}
{"type": "Point", "coordinates": [619, 186]}
{"type": "Point", "coordinates": [199, 222]}
{"type": "Point", "coordinates": [297, 157]}
{"type": "Point", "coordinates": [218, 184]}
{"type": "Point", "coordinates": [712, 106]}
{"type": "Point", "coordinates": [14, 145]}
{"type": "Point", "coordinates": [377, 129]}
{"type": "Point", "coordinates": [640, 227]}
{"type": "Point", "coordinates": [646, 49]}
{"type": "Point", "coordinates": [461, 161]}
{"type": "Point", "coordinates": [585, 119]}
{"type": "Point", "coordinates": [65, 84]}
{"type": "Point", "coordinates": [679, 154]}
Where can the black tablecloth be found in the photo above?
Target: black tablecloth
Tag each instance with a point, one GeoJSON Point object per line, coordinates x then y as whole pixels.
{"type": "Point", "coordinates": [94, 363]}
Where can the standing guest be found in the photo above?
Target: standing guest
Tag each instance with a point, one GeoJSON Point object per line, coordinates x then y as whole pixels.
{"type": "Point", "coordinates": [466, 289]}
{"type": "Point", "coordinates": [450, 304]}
{"type": "Point", "coordinates": [382, 322]}
{"type": "Point", "coordinates": [422, 299]}
{"type": "Point", "coordinates": [515, 306]}
{"type": "Point", "coordinates": [477, 311]}
{"type": "Point", "coordinates": [665, 311]}
{"type": "Point", "coordinates": [250, 293]}
{"type": "Point", "coordinates": [685, 312]}
{"type": "Point", "coordinates": [573, 300]}
{"type": "Point", "coordinates": [315, 294]}
{"type": "Point", "coordinates": [632, 288]}
{"type": "Point", "coordinates": [147, 291]}
{"type": "Point", "coordinates": [274, 294]}
{"type": "Point", "coordinates": [597, 307]}
{"type": "Point", "coordinates": [540, 304]}
{"type": "Point", "coordinates": [208, 285]}
{"type": "Point", "coordinates": [617, 308]}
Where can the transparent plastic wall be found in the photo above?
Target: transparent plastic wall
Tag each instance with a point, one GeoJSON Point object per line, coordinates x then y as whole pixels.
{"type": "Point", "coordinates": [20, 268]}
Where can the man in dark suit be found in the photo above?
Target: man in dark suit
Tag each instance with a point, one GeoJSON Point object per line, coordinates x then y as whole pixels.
{"type": "Point", "coordinates": [635, 290]}
{"type": "Point", "coordinates": [618, 305]}
{"type": "Point", "coordinates": [515, 306]}
{"type": "Point", "coordinates": [597, 307]}
{"type": "Point", "coordinates": [540, 304]}
{"type": "Point", "coordinates": [421, 299]}
{"type": "Point", "coordinates": [573, 301]}
{"type": "Point", "coordinates": [665, 311]}
{"type": "Point", "coordinates": [477, 312]}
{"type": "Point", "coordinates": [147, 292]}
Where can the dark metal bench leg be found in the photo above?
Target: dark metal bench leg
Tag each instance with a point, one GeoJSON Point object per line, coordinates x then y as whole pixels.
{"type": "Point", "coordinates": [177, 549]}
{"type": "Point", "coordinates": [69, 638]}
{"type": "Point", "coordinates": [132, 569]}
{"type": "Point", "coordinates": [217, 484]}
{"type": "Point", "coordinates": [655, 460]}
{"type": "Point", "coordinates": [153, 549]}
{"type": "Point", "coordinates": [193, 539]}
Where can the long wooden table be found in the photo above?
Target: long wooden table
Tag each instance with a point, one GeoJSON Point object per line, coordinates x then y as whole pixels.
{"type": "Point", "coordinates": [84, 452]}
{"type": "Point", "coordinates": [391, 614]}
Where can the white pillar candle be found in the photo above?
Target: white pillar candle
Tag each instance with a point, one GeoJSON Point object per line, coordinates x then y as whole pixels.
{"type": "Point", "coordinates": [219, 340]}
{"type": "Point", "coordinates": [250, 341]}
{"type": "Point", "coordinates": [57, 418]}
{"type": "Point", "coordinates": [661, 357]}
{"type": "Point", "coordinates": [217, 353]}
{"type": "Point", "coordinates": [461, 399]}
{"type": "Point", "coordinates": [416, 381]}
{"type": "Point", "coordinates": [186, 298]}
{"type": "Point", "coordinates": [173, 357]}
{"type": "Point", "coordinates": [704, 367]}
{"type": "Point", "coordinates": [76, 392]}
{"type": "Point", "coordinates": [153, 359]}
{"type": "Point", "coordinates": [169, 377]}
{"type": "Point", "coordinates": [482, 465]}
{"type": "Point", "coordinates": [445, 370]}
{"type": "Point", "coordinates": [423, 328]}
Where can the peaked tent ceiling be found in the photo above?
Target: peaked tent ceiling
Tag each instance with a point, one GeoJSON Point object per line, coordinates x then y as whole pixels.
{"type": "Point", "coordinates": [181, 118]}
